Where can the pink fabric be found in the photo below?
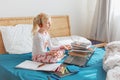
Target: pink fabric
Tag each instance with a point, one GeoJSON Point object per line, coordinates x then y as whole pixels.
{"type": "Point", "coordinates": [49, 58]}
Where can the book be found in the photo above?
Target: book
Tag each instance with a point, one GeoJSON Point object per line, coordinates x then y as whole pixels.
{"type": "Point", "coordinates": [78, 57]}
{"type": "Point", "coordinates": [80, 45]}
{"type": "Point", "coordinates": [65, 71]}
{"type": "Point", "coordinates": [62, 75]}
{"type": "Point", "coordinates": [80, 54]}
{"type": "Point", "coordinates": [79, 50]}
{"type": "Point", "coordinates": [88, 50]}
{"type": "Point", "coordinates": [32, 65]}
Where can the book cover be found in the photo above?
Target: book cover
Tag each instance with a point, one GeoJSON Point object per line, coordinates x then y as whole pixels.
{"type": "Point", "coordinates": [80, 54]}
{"type": "Point", "coordinates": [77, 49]}
{"type": "Point", "coordinates": [80, 45]}
{"type": "Point", "coordinates": [65, 71]}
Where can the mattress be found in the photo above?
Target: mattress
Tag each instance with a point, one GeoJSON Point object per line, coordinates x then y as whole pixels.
{"type": "Point", "coordinates": [93, 70]}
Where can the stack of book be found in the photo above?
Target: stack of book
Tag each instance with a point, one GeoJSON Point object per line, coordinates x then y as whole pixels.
{"type": "Point", "coordinates": [80, 53]}
{"type": "Point", "coordinates": [80, 47]}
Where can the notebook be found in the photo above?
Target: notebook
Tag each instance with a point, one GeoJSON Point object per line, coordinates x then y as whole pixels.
{"type": "Point", "coordinates": [27, 64]}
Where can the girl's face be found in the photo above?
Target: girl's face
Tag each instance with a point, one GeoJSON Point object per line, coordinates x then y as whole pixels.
{"type": "Point", "coordinates": [46, 24]}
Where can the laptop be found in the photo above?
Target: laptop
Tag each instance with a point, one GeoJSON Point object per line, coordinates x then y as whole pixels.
{"type": "Point", "coordinates": [76, 60]}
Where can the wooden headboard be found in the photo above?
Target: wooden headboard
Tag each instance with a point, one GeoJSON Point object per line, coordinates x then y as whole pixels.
{"type": "Point", "coordinates": [60, 26]}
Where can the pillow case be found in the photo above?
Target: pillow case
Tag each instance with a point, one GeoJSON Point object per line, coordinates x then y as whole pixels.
{"type": "Point", "coordinates": [68, 40]}
{"type": "Point", "coordinates": [17, 39]}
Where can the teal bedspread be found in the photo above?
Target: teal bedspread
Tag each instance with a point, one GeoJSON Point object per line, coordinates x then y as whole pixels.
{"type": "Point", "coordinates": [93, 71]}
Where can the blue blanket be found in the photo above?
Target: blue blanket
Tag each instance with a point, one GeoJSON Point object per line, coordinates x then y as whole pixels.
{"type": "Point", "coordinates": [93, 71]}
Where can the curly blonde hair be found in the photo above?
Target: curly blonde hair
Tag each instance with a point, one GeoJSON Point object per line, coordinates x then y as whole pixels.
{"type": "Point", "coordinates": [38, 21]}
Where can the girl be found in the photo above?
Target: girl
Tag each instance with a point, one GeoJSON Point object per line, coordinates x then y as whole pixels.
{"type": "Point", "coordinates": [41, 41]}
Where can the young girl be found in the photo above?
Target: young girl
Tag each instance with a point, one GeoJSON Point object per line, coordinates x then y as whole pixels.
{"type": "Point", "coordinates": [41, 41]}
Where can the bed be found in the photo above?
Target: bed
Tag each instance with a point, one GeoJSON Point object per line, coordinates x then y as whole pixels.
{"type": "Point", "coordinates": [60, 28]}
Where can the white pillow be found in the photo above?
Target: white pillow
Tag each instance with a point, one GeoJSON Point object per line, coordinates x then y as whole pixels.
{"type": "Point", "coordinates": [17, 39]}
{"type": "Point", "coordinates": [81, 39]}
{"type": "Point", "coordinates": [69, 39]}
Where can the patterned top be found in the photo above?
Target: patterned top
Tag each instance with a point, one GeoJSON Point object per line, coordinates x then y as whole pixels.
{"type": "Point", "coordinates": [41, 42]}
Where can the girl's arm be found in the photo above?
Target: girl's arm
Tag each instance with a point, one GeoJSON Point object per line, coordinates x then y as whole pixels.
{"type": "Point", "coordinates": [52, 47]}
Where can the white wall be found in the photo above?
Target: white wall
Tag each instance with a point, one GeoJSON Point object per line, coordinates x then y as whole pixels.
{"type": "Point", "coordinates": [74, 8]}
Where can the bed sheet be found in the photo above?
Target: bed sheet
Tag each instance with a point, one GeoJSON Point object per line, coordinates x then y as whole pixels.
{"type": "Point", "coordinates": [93, 71]}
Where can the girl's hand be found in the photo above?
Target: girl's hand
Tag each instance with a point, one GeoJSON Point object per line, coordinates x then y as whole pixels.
{"type": "Point", "coordinates": [57, 53]}
{"type": "Point", "coordinates": [66, 47]}
{"type": "Point", "coordinates": [53, 52]}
